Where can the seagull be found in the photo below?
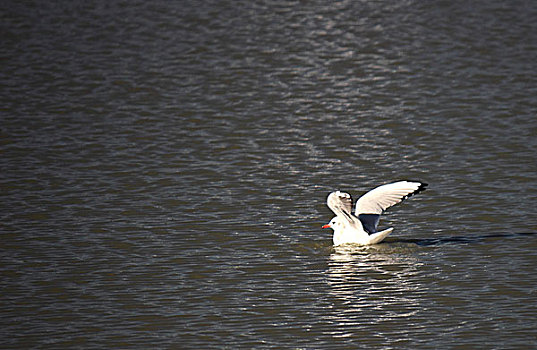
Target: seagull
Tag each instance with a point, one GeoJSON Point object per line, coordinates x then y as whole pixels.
{"type": "Point", "coordinates": [361, 227]}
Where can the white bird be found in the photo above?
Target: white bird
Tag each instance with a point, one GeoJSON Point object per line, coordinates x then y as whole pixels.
{"type": "Point", "coordinates": [361, 227]}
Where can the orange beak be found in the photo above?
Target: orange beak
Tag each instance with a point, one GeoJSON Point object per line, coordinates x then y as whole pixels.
{"type": "Point", "coordinates": [326, 226]}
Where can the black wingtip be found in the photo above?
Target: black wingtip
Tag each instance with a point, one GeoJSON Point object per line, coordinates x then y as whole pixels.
{"type": "Point", "coordinates": [422, 187]}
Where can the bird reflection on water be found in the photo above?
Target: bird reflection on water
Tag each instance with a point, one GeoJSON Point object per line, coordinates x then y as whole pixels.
{"type": "Point", "coordinates": [373, 285]}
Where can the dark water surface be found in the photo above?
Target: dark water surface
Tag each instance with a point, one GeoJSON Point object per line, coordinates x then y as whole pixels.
{"type": "Point", "coordinates": [165, 165]}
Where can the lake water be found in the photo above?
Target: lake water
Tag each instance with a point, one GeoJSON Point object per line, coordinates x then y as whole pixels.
{"type": "Point", "coordinates": [165, 166]}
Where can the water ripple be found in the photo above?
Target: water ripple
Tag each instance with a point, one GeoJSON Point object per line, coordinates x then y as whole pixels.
{"type": "Point", "coordinates": [165, 167]}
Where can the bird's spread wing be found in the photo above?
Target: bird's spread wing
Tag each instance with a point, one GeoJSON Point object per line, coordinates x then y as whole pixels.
{"type": "Point", "coordinates": [369, 222]}
{"type": "Point", "coordinates": [385, 196]}
{"type": "Point", "coordinates": [341, 204]}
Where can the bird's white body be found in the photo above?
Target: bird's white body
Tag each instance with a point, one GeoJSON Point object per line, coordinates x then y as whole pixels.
{"type": "Point", "coordinates": [361, 227]}
{"type": "Point", "coordinates": [360, 237]}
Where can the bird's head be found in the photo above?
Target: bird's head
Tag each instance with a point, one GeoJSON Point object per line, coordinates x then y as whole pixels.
{"type": "Point", "coordinates": [334, 224]}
